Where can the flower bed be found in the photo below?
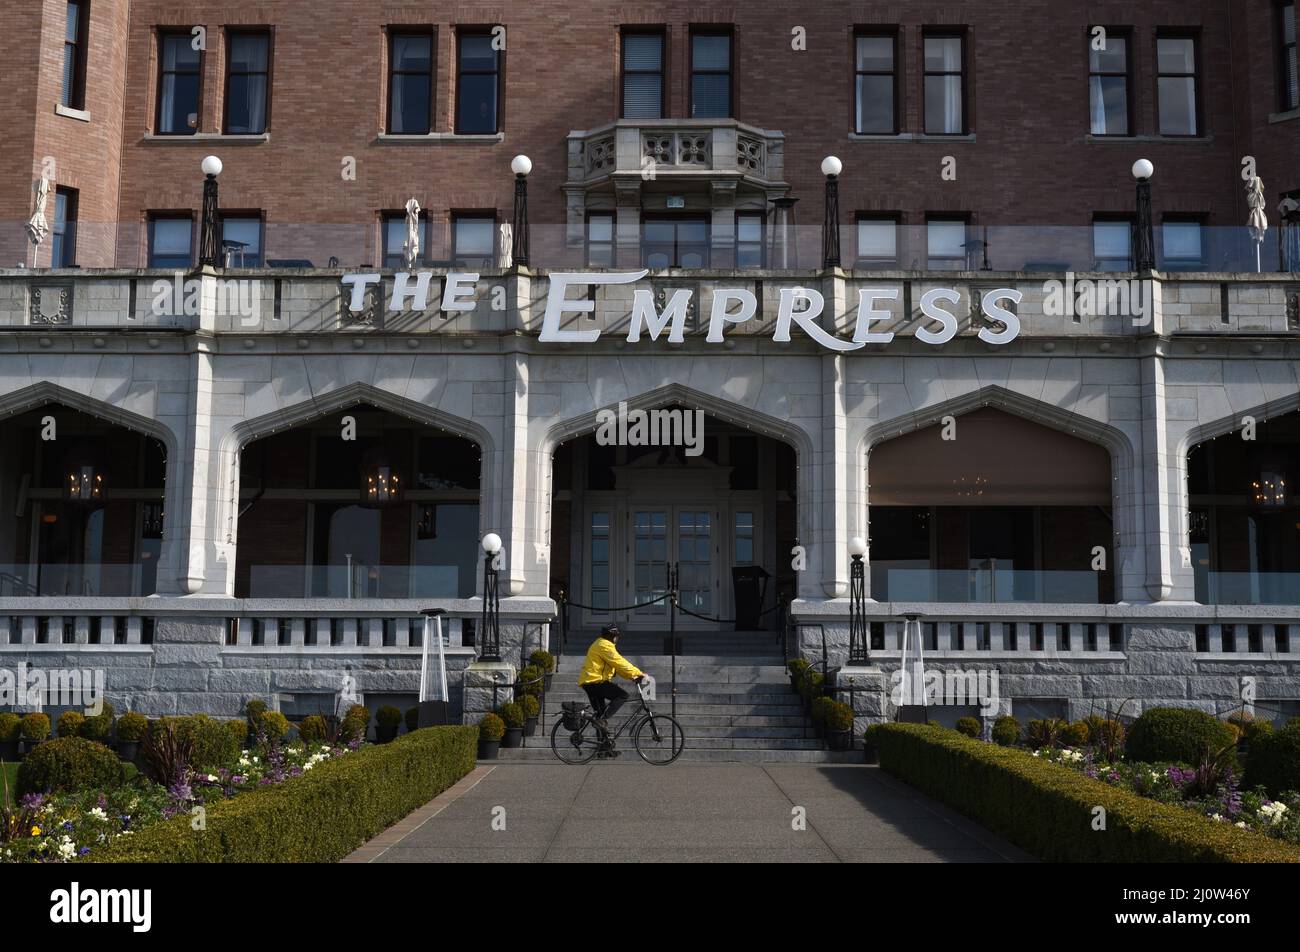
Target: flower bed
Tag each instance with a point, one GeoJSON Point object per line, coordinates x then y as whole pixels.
{"type": "Point", "coordinates": [1053, 812]}
{"type": "Point", "coordinates": [47, 828]}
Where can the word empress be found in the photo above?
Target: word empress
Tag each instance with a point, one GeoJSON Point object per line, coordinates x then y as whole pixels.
{"type": "Point", "coordinates": [459, 289]}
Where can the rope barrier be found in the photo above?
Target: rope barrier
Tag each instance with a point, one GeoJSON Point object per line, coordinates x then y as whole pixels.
{"type": "Point", "coordinates": [618, 608]}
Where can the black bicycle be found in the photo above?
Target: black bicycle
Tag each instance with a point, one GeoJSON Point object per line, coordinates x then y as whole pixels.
{"type": "Point", "coordinates": [578, 739]}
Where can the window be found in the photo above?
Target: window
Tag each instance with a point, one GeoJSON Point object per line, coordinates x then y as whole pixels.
{"type": "Point", "coordinates": [749, 240]}
{"type": "Point", "coordinates": [876, 84]}
{"type": "Point", "coordinates": [744, 539]}
{"type": "Point", "coordinates": [643, 75]}
{"type": "Point", "coordinates": [472, 240]}
{"type": "Point", "coordinates": [478, 84]}
{"type": "Point", "coordinates": [64, 243]}
{"type": "Point", "coordinates": [945, 87]}
{"type": "Point", "coordinates": [410, 82]}
{"type": "Point", "coordinates": [1112, 243]}
{"type": "Point", "coordinates": [878, 240]}
{"type": "Point", "coordinates": [170, 241]}
{"type": "Point", "coordinates": [710, 75]}
{"type": "Point", "coordinates": [600, 549]}
{"type": "Point", "coordinates": [675, 243]}
{"type": "Point", "coordinates": [1176, 85]}
{"type": "Point", "coordinates": [180, 68]}
{"type": "Point", "coordinates": [946, 243]}
{"type": "Point", "coordinates": [1108, 86]}
{"type": "Point", "coordinates": [1288, 92]}
{"type": "Point", "coordinates": [394, 225]}
{"type": "Point", "coordinates": [600, 239]}
{"type": "Point", "coordinates": [241, 240]}
{"type": "Point", "coordinates": [74, 55]}
{"type": "Point", "coordinates": [1181, 243]}
{"type": "Point", "coordinates": [248, 85]}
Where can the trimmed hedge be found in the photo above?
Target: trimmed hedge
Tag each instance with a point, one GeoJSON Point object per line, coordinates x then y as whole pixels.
{"type": "Point", "coordinates": [319, 817]}
{"type": "Point", "coordinates": [1047, 809]}
{"type": "Point", "coordinates": [69, 763]}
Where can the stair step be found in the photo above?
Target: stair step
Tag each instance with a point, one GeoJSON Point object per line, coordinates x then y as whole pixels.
{"type": "Point", "coordinates": [629, 756]}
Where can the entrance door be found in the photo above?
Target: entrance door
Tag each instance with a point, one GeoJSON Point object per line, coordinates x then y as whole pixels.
{"type": "Point", "coordinates": [662, 536]}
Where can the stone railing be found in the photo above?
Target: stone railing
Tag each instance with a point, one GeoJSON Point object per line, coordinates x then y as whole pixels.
{"type": "Point", "coordinates": [675, 147]}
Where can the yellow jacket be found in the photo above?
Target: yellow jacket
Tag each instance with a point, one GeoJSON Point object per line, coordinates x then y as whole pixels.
{"type": "Point", "coordinates": [603, 662]}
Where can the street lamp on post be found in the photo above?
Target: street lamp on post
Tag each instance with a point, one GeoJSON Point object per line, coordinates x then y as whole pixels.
{"type": "Point", "coordinates": [1144, 244]}
{"type": "Point", "coordinates": [521, 165]}
{"type": "Point", "coordinates": [831, 168]}
{"type": "Point", "coordinates": [859, 643]}
{"type": "Point", "coordinates": [490, 639]}
{"type": "Point", "coordinates": [209, 251]}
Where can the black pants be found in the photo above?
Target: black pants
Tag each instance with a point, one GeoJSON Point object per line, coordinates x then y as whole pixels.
{"type": "Point", "coordinates": [606, 698]}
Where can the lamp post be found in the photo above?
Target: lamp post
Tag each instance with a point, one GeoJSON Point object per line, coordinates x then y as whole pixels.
{"type": "Point", "coordinates": [831, 168]}
{"type": "Point", "coordinates": [1144, 245]}
{"type": "Point", "coordinates": [490, 637]}
{"type": "Point", "coordinates": [859, 643]}
{"type": "Point", "coordinates": [521, 165]}
{"type": "Point", "coordinates": [208, 244]}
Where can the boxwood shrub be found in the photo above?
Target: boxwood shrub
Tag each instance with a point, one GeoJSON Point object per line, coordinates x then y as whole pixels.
{"type": "Point", "coordinates": [319, 817]}
{"type": "Point", "coordinates": [1274, 760]}
{"type": "Point", "coordinates": [1048, 810]}
{"type": "Point", "coordinates": [69, 763]}
{"type": "Point", "coordinates": [1177, 733]}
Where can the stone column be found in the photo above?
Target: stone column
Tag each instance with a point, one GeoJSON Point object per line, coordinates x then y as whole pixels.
{"type": "Point", "coordinates": [1168, 557]}
{"type": "Point", "coordinates": [833, 530]}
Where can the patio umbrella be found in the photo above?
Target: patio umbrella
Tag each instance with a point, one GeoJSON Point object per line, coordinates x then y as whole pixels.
{"type": "Point", "coordinates": [37, 227]}
{"type": "Point", "coordinates": [1258, 221]}
{"type": "Point", "coordinates": [412, 246]}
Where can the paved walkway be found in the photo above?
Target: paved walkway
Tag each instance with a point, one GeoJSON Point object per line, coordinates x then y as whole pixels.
{"type": "Point", "coordinates": [685, 812]}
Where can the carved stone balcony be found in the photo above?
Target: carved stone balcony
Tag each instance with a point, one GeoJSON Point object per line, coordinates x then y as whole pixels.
{"type": "Point", "coordinates": [677, 149]}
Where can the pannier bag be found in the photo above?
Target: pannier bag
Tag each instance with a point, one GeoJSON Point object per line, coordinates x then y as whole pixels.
{"type": "Point", "coordinates": [572, 715]}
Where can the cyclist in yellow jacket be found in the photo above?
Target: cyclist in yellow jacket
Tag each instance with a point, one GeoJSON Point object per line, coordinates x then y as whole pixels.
{"type": "Point", "coordinates": [597, 677]}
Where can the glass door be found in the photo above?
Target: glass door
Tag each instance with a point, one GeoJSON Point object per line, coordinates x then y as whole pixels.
{"type": "Point", "coordinates": [695, 560]}
{"type": "Point", "coordinates": [650, 560]}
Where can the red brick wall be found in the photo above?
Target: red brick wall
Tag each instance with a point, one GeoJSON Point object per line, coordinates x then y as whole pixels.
{"type": "Point", "coordinates": [1028, 94]}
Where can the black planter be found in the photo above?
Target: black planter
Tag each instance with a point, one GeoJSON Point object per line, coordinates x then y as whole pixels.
{"type": "Point", "coordinates": [127, 750]}
{"type": "Point", "coordinates": [514, 737]}
{"type": "Point", "coordinates": [839, 740]}
{"type": "Point", "coordinates": [29, 745]}
{"type": "Point", "coordinates": [869, 753]}
{"type": "Point", "coordinates": [549, 677]}
{"type": "Point", "coordinates": [488, 749]}
{"type": "Point", "coordinates": [9, 750]}
{"type": "Point", "coordinates": [385, 735]}
{"type": "Point", "coordinates": [530, 726]}
{"type": "Point", "coordinates": [819, 729]}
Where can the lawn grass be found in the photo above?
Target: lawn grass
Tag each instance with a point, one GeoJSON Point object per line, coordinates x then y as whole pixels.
{"type": "Point", "coordinates": [11, 775]}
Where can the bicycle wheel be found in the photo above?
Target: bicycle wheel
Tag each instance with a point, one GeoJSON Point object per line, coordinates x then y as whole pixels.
{"type": "Point", "coordinates": [659, 739]}
{"type": "Point", "coordinates": [574, 747]}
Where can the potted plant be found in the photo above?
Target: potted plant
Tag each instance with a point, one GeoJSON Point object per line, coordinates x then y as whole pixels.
{"type": "Point", "coordinates": [839, 726]}
{"type": "Point", "coordinates": [69, 724]}
{"type": "Point", "coordinates": [490, 731]}
{"type": "Point", "coordinates": [388, 720]}
{"type": "Point", "coordinates": [35, 729]}
{"type": "Point", "coordinates": [546, 661]}
{"type": "Point", "coordinates": [870, 753]}
{"type": "Point", "coordinates": [532, 680]}
{"type": "Point", "coordinates": [9, 724]}
{"type": "Point", "coordinates": [99, 727]}
{"type": "Point", "coordinates": [131, 728]}
{"type": "Point", "coordinates": [810, 687]}
{"type": "Point", "coordinates": [513, 716]}
{"type": "Point", "coordinates": [412, 719]}
{"type": "Point", "coordinates": [532, 711]}
{"type": "Point", "coordinates": [796, 667]}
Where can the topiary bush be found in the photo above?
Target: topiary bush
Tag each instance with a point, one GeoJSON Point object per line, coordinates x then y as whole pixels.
{"type": "Point", "coordinates": [389, 717]}
{"type": "Point", "coordinates": [359, 711]}
{"type": "Point", "coordinates": [69, 724]}
{"type": "Point", "coordinates": [512, 714]}
{"type": "Point", "coordinates": [313, 730]}
{"type": "Point", "coordinates": [970, 726]}
{"type": "Point", "coordinates": [1177, 733]}
{"type": "Point", "coordinates": [531, 679]}
{"type": "Point", "coordinates": [238, 732]}
{"type": "Point", "coordinates": [543, 659]}
{"type": "Point", "coordinates": [35, 727]}
{"type": "Point", "coordinates": [67, 764]}
{"type": "Point", "coordinates": [1076, 734]}
{"type": "Point", "coordinates": [131, 727]}
{"type": "Point", "coordinates": [1006, 731]}
{"type": "Point", "coordinates": [9, 724]}
{"type": "Point", "coordinates": [1274, 760]}
{"type": "Point", "coordinates": [819, 709]}
{"type": "Point", "coordinates": [271, 727]}
{"type": "Point", "coordinates": [532, 707]}
{"type": "Point", "coordinates": [491, 727]}
{"type": "Point", "coordinates": [838, 716]}
{"type": "Point", "coordinates": [211, 743]}
{"type": "Point", "coordinates": [354, 728]}
{"type": "Point", "coordinates": [412, 718]}
{"type": "Point", "coordinates": [99, 727]}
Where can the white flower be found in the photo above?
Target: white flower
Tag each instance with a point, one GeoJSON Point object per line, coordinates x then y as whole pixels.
{"type": "Point", "coordinates": [1273, 811]}
{"type": "Point", "coordinates": [1240, 823]}
{"type": "Point", "coordinates": [212, 778]}
{"type": "Point", "coordinates": [67, 848]}
{"type": "Point", "coordinates": [1217, 818]}
{"type": "Point", "coordinates": [98, 814]}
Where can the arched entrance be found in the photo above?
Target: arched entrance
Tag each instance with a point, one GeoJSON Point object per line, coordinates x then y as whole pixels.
{"type": "Point", "coordinates": [992, 507]}
{"type": "Point", "coordinates": [81, 505]}
{"type": "Point", "coordinates": [719, 506]}
{"type": "Point", "coordinates": [358, 503]}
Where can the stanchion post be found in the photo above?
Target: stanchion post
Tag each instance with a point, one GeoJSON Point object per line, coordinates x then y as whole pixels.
{"type": "Point", "coordinates": [672, 629]}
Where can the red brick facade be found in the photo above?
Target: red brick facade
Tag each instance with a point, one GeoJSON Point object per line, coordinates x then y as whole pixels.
{"type": "Point", "coordinates": [1030, 159]}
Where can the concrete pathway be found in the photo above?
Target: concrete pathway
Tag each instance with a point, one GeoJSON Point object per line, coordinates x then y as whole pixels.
{"type": "Point", "coordinates": [686, 812]}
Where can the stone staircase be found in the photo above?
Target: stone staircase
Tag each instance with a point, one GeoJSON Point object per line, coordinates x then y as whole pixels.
{"type": "Point", "coordinates": [733, 700]}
